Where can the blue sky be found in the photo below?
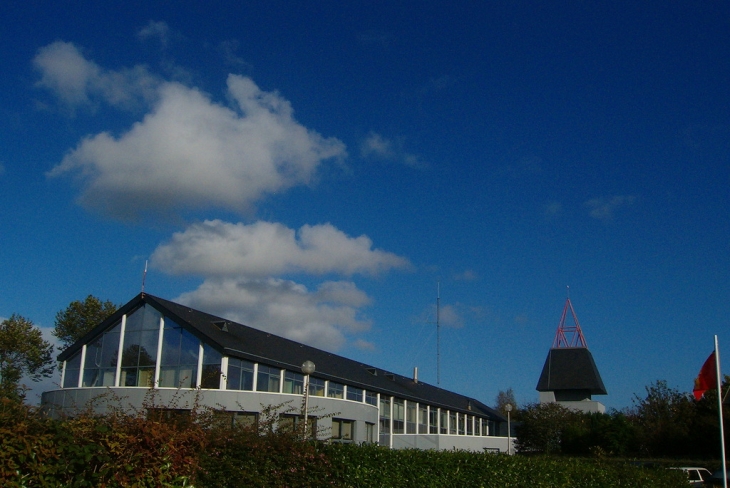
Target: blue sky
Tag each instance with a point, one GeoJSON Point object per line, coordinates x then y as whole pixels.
{"type": "Point", "coordinates": [315, 169]}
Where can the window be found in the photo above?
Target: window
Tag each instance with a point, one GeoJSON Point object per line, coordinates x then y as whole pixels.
{"type": "Point", "coordinates": [444, 422]}
{"type": "Point", "coordinates": [485, 427]}
{"type": "Point", "coordinates": [462, 419]}
{"type": "Point", "coordinates": [234, 419]}
{"type": "Point", "coordinates": [469, 425]}
{"type": "Point", "coordinates": [411, 418]}
{"type": "Point", "coordinates": [433, 421]}
{"type": "Point", "coordinates": [245, 419]}
{"type": "Point", "coordinates": [240, 374]}
{"type": "Point", "coordinates": [384, 420]}
{"type": "Point", "coordinates": [316, 387]}
{"type": "Point", "coordinates": [179, 362]}
{"type": "Point", "coordinates": [100, 365]}
{"type": "Point", "coordinates": [493, 428]}
{"type": "Point", "coordinates": [268, 379]}
{"type": "Point", "coordinates": [211, 375]}
{"type": "Point", "coordinates": [293, 423]}
{"type": "Point", "coordinates": [293, 383]}
{"type": "Point", "coordinates": [71, 373]}
{"type": "Point", "coordinates": [343, 430]}
{"type": "Point", "coordinates": [371, 398]}
{"type": "Point", "coordinates": [422, 419]}
{"type": "Point", "coordinates": [354, 394]}
{"type": "Point", "coordinates": [369, 432]}
{"type": "Point", "coordinates": [452, 423]}
{"type": "Point", "coordinates": [398, 415]}
{"type": "Point", "coordinates": [139, 353]}
{"type": "Point", "coordinates": [335, 390]}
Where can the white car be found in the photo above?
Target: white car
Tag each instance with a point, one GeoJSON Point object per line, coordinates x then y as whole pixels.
{"type": "Point", "coordinates": [696, 476]}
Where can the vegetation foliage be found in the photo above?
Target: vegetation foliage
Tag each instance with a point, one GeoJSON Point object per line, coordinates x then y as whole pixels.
{"type": "Point", "coordinates": [73, 322]}
{"type": "Point", "coordinates": [23, 352]}
{"type": "Point", "coordinates": [666, 423]}
{"type": "Point", "coordinates": [165, 446]}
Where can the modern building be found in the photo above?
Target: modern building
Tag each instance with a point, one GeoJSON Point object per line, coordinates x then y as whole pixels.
{"type": "Point", "coordinates": [570, 376]}
{"type": "Point", "coordinates": [154, 348]}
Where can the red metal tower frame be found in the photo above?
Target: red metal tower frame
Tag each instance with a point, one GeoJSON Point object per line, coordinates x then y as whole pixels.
{"type": "Point", "coordinates": [561, 338]}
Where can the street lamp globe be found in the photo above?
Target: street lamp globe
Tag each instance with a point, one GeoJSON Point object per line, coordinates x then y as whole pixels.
{"type": "Point", "coordinates": [307, 367]}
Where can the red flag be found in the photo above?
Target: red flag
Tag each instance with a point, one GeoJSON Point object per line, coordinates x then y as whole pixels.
{"type": "Point", "coordinates": [707, 379]}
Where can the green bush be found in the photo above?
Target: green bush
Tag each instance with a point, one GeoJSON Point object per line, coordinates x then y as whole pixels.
{"type": "Point", "coordinates": [157, 449]}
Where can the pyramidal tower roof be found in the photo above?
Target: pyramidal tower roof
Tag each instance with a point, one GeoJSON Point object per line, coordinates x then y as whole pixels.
{"type": "Point", "coordinates": [569, 365]}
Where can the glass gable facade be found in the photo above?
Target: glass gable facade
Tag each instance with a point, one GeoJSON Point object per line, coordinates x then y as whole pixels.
{"type": "Point", "coordinates": [139, 353]}
{"type": "Point", "coordinates": [179, 361]}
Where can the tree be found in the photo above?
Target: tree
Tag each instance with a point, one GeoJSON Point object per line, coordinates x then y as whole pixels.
{"type": "Point", "coordinates": [542, 426]}
{"type": "Point", "coordinates": [80, 317]}
{"type": "Point", "coordinates": [503, 398]}
{"type": "Point", "coordinates": [663, 418]}
{"type": "Point", "coordinates": [23, 352]}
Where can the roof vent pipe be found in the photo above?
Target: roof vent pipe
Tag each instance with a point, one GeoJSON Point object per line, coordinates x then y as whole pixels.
{"type": "Point", "coordinates": [415, 374]}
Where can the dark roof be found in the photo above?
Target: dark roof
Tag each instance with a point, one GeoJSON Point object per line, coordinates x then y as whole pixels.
{"type": "Point", "coordinates": [244, 342]}
{"type": "Point", "coordinates": [570, 368]}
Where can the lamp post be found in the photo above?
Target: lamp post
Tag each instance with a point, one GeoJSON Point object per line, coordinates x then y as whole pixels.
{"type": "Point", "coordinates": [307, 369]}
{"type": "Point", "coordinates": [508, 408]}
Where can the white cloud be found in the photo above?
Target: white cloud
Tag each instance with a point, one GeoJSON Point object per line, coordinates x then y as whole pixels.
{"type": "Point", "coordinates": [216, 248]}
{"type": "Point", "coordinates": [322, 318]}
{"type": "Point", "coordinates": [466, 275]}
{"type": "Point", "coordinates": [78, 81]}
{"type": "Point", "coordinates": [449, 316]}
{"type": "Point", "coordinates": [364, 345]}
{"type": "Point", "coordinates": [190, 152]}
{"type": "Point", "coordinates": [375, 146]}
{"type": "Point", "coordinates": [603, 208]}
{"type": "Point", "coordinates": [159, 30]}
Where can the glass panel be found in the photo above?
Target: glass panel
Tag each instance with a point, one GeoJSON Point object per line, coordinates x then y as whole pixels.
{"type": "Point", "coordinates": [316, 387]}
{"type": "Point", "coordinates": [444, 422]}
{"type": "Point", "coordinates": [293, 383]}
{"type": "Point", "coordinates": [240, 374]}
{"type": "Point", "coordinates": [398, 415]}
{"type": "Point", "coordinates": [422, 419]}
{"type": "Point", "coordinates": [179, 362]}
{"type": "Point", "coordinates": [100, 365]}
{"type": "Point", "coordinates": [461, 424]}
{"type": "Point", "coordinates": [335, 390]}
{"type": "Point", "coordinates": [469, 421]}
{"type": "Point", "coordinates": [211, 375]}
{"type": "Point", "coordinates": [410, 418]}
{"type": "Point", "coordinates": [268, 379]}
{"type": "Point", "coordinates": [433, 421]}
{"type": "Point", "coordinates": [144, 318]}
{"type": "Point", "coordinates": [371, 397]}
{"type": "Point", "coordinates": [342, 429]}
{"type": "Point", "coordinates": [384, 421]}
{"type": "Point", "coordinates": [354, 394]}
{"type": "Point", "coordinates": [452, 423]}
{"type": "Point", "coordinates": [71, 375]}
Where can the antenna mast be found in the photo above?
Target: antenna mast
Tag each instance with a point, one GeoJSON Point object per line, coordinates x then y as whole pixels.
{"type": "Point", "coordinates": [561, 336]}
{"type": "Point", "coordinates": [438, 332]}
{"type": "Point", "coordinates": [144, 275]}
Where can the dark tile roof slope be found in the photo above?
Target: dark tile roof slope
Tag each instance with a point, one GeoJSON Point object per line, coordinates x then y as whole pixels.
{"type": "Point", "coordinates": [570, 368]}
{"type": "Point", "coordinates": [244, 342]}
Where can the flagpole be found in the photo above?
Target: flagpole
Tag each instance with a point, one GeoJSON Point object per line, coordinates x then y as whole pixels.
{"type": "Point", "coordinates": [719, 406]}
